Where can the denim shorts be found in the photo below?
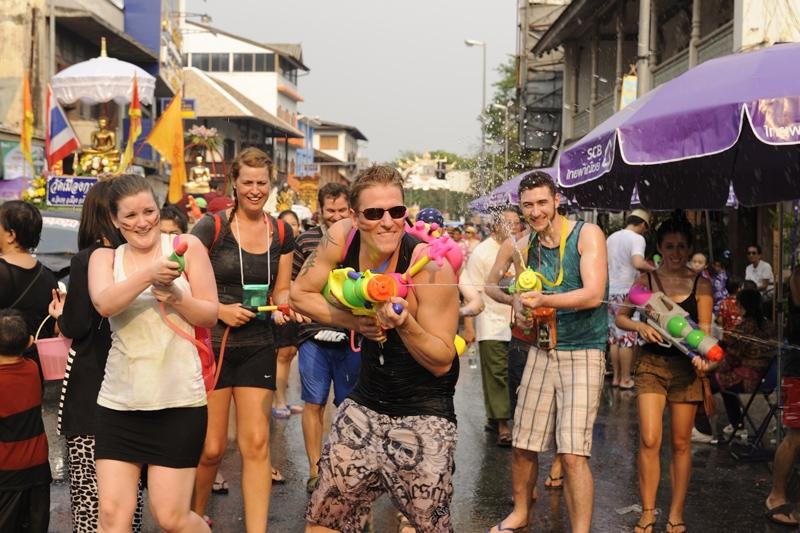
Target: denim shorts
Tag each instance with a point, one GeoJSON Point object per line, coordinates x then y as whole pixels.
{"type": "Point", "coordinates": [321, 363]}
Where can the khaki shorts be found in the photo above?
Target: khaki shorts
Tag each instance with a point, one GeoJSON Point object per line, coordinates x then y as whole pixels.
{"type": "Point", "coordinates": [558, 400]}
{"type": "Point", "coordinates": [671, 376]}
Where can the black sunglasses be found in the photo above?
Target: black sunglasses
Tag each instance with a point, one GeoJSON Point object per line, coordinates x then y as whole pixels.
{"type": "Point", "coordinates": [376, 213]}
{"type": "Point", "coordinates": [752, 253]}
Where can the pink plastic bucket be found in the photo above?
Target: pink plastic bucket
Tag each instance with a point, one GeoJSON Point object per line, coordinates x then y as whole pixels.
{"type": "Point", "coordinates": [53, 354]}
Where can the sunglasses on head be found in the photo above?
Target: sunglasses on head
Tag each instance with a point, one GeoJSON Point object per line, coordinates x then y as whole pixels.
{"type": "Point", "coordinates": [376, 213]}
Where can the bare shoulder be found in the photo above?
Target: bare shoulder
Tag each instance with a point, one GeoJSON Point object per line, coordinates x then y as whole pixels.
{"type": "Point", "coordinates": [591, 231]}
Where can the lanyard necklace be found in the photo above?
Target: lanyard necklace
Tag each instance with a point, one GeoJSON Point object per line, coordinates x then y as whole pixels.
{"type": "Point", "coordinates": [561, 248]}
{"type": "Point", "coordinates": [239, 244]}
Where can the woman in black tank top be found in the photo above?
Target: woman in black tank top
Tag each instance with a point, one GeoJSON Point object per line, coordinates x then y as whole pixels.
{"type": "Point", "coordinates": [666, 376]}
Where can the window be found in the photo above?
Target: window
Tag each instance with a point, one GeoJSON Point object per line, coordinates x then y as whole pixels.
{"type": "Point", "coordinates": [243, 62]}
{"type": "Point", "coordinates": [328, 142]}
{"type": "Point", "coordinates": [185, 60]}
{"type": "Point", "coordinates": [220, 62]}
{"type": "Point", "coordinates": [265, 62]}
{"type": "Point", "coordinates": [200, 61]}
{"type": "Point", "coordinates": [288, 70]}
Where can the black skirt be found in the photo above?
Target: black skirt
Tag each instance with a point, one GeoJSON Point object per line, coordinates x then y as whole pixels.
{"type": "Point", "coordinates": [167, 437]}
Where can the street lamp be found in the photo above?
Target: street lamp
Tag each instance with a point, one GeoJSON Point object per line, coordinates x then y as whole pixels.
{"type": "Point", "coordinates": [482, 44]}
{"type": "Point", "coordinates": [505, 138]}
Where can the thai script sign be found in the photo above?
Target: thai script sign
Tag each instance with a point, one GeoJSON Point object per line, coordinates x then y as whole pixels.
{"type": "Point", "coordinates": [68, 190]}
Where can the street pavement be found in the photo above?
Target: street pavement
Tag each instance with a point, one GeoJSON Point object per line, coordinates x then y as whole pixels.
{"type": "Point", "coordinates": [724, 496]}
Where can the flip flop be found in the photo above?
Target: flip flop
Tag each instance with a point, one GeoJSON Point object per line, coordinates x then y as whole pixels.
{"type": "Point", "coordinates": [220, 487]}
{"type": "Point", "coordinates": [785, 509]}
{"type": "Point", "coordinates": [500, 527]}
{"type": "Point", "coordinates": [277, 477]}
{"type": "Point", "coordinates": [554, 483]}
{"type": "Point", "coordinates": [504, 440]}
{"type": "Point", "coordinates": [671, 526]}
{"type": "Point", "coordinates": [281, 413]}
{"type": "Point", "coordinates": [311, 484]}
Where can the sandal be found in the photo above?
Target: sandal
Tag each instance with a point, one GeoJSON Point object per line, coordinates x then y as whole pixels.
{"type": "Point", "coordinates": [311, 484]}
{"type": "Point", "coordinates": [504, 440]}
{"type": "Point", "coordinates": [671, 527]}
{"type": "Point", "coordinates": [645, 528]}
{"type": "Point", "coordinates": [554, 483]}
{"type": "Point", "coordinates": [281, 413]}
{"type": "Point", "coordinates": [277, 477]}
{"type": "Point", "coordinates": [785, 509]}
{"type": "Point", "coordinates": [500, 527]}
{"type": "Point", "coordinates": [295, 409]}
{"type": "Point", "coordinates": [220, 487]}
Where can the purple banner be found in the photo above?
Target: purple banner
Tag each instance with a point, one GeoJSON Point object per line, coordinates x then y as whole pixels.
{"type": "Point", "coordinates": [588, 161]}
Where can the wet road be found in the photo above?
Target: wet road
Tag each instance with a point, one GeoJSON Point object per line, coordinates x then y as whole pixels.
{"type": "Point", "coordinates": [724, 495]}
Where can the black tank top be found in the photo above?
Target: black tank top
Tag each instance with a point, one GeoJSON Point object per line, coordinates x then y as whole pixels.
{"type": "Point", "coordinates": [689, 305]}
{"type": "Point", "coordinates": [400, 386]}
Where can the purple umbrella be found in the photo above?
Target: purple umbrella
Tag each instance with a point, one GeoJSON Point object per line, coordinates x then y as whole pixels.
{"type": "Point", "coordinates": [505, 194]}
{"type": "Point", "coordinates": [733, 121]}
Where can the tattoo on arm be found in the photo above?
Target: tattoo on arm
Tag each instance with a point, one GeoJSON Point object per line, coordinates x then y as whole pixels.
{"type": "Point", "coordinates": [309, 264]}
{"type": "Point", "coordinates": [327, 240]}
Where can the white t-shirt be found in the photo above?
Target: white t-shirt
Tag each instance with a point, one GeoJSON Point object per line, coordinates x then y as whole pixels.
{"type": "Point", "coordinates": [493, 323]}
{"type": "Point", "coordinates": [622, 245]}
{"type": "Point", "coordinates": [759, 273]}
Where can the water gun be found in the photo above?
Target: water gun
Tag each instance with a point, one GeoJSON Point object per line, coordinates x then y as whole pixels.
{"type": "Point", "coordinates": [528, 280]}
{"type": "Point", "coordinates": [359, 291]}
{"type": "Point", "coordinates": [430, 233]}
{"type": "Point", "coordinates": [283, 308]}
{"type": "Point", "coordinates": [675, 325]}
{"type": "Point", "coordinates": [194, 209]}
{"type": "Point", "coordinates": [179, 248]}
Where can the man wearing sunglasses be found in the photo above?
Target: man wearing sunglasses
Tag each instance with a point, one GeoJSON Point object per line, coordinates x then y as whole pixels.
{"type": "Point", "coordinates": [396, 431]}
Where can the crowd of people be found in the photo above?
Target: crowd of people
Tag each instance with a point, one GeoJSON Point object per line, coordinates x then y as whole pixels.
{"type": "Point", "coordinates": [173, 324]}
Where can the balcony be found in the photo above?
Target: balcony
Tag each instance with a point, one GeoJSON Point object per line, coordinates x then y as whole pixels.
{"type": "Point", "coordinates": [716, 44]}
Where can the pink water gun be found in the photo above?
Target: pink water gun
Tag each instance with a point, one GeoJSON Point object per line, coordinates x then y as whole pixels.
{"type": "Point", "coordinates": [430, 233]}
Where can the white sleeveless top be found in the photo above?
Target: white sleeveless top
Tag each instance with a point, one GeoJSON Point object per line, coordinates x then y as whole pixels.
{"type": "Point", "coordinates": [150, 366]}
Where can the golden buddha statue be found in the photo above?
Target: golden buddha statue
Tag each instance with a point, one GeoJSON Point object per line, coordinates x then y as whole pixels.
{"type": "Point", "coordinates": [104, 147]}
{"type": "Point", "coordinates": [285, 198]}
{"type": "Point", "coordinates": [199, 178]}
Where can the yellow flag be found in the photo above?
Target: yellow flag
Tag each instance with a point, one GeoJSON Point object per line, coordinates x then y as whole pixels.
{"type": "Point", "coordinates": [167, 138]}
{"type": "Point", "coordinates": [26, 128]}
{"type": "Point", "coordinates": [135, 129]}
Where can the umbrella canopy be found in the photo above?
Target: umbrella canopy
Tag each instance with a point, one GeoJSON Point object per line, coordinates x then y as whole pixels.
{"type": "Point", "coordinates": [732, 121]}
{"type": "Point", "coordinates": [505, 194]}
{"type": "Point", "coordinates": [100, 80]}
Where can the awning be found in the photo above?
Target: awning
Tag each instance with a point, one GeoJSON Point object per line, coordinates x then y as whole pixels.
{"type": "Point", "coordinates": [574, 21]}
{"type": "Point", "coordinates": [90, 27]}
{"type": "Point", "coordinates": [216, 99]}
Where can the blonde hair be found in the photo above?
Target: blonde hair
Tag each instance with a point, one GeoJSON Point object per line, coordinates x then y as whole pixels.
{"type": "Point", "coordinates": [375, 175]}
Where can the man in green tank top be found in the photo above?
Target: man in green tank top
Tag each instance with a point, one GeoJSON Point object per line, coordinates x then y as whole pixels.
{"type": "Point", "coordinates": [560, 390]}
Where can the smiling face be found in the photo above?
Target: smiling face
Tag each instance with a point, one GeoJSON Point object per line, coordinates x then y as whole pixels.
{"type": "Point", "coordinates": [674, 250]}
{"type": "Point", "coordinates": [252, 188]}
{"type": "Point", "coordinates": [334, 209]}
{"type": "Point", "coordinates": [138, 219]}
{"type": "Point", "coordinates": [382, 237]}
{"type": "Point", "coordinates": [539, 207]}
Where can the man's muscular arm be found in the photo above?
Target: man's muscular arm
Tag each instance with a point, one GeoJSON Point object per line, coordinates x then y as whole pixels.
{"type": "Point", "coordinates": [429, 335]}
{"type": "Point", "coordinates": [305, 295]}
{"type": "Point", "coordinates": [594, 274]}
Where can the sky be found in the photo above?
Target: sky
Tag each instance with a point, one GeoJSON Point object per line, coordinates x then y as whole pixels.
{"type": "Point", "coordinates": [399, 71]}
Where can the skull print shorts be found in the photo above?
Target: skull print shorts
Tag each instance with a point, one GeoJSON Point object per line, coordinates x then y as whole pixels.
{"type": "Point", "coordinates": [411, 458]}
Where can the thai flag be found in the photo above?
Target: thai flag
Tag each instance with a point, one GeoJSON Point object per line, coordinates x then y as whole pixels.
{"type": "Point", "coordinates": [60, 139]}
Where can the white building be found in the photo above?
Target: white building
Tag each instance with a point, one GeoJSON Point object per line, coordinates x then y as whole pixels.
{"type": "Point", "coordinates": [341, 142]}
{"type": "Point", "coordinates": [264, 73]}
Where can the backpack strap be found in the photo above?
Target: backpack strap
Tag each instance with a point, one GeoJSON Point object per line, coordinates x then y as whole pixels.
{"type": "Point", "coordinates": [348, 242]}
{"type": "Point", "coordinates": [281, 227]}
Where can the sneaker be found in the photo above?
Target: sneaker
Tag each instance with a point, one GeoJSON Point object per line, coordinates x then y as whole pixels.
{"type": "Point", "coordinates": [701, 438]}
{"type": "Point", "coordinates": [741, 433]}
